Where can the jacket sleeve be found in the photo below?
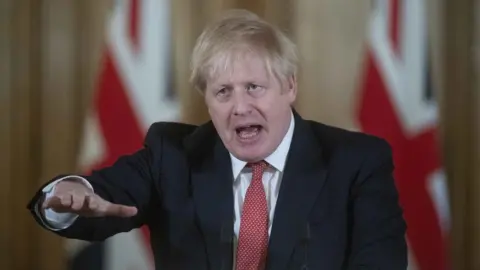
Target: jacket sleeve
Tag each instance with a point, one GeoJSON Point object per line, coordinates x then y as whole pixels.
{"type": "Point", "coordinates": [378, 231]}
{"type": "Point", "coordinates": [129, 181]}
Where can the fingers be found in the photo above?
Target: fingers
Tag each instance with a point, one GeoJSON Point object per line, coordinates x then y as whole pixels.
{"type": "Point", "coordinates": [66, 200]}
{"type": "Point", "coordinates": [78, 201]}
{"type": "Point", "coordinates": [88, 205]}
{"type": "Point", "coordinates": [119, 210]}
{"type": "Point", "coordinates": [59, 203]}
{"type": "Point", "coordinates": [69, 202]}
{"type": "Point", "coordinates": [91, 203]}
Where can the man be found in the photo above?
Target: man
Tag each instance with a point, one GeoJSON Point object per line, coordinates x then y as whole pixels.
{"type": "Point", "coordinates": [257, 187]}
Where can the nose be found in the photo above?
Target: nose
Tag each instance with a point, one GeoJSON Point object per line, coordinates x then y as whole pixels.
{"type": "Point", "coordinates": [242, 103]}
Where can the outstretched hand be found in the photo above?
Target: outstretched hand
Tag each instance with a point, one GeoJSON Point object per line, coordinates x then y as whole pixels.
{"type": "Point", "coordinates": [74, 197]}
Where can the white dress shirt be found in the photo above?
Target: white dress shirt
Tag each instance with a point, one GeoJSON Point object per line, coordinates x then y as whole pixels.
{"type": "Point", "coordinates": [242, 176]}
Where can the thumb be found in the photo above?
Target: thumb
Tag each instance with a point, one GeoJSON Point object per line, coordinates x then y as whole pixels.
{"type": "Point", "coordinates": [119, 210]}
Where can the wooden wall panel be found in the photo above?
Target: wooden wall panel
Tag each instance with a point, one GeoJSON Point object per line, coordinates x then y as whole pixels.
{"type": "Point", "coordinates": [61, 96]}
{"type": "Point", "coordinates": [60, 103]}
{"type": "Point", "coordinates": [281, 13]}
{"type": "Point", "coordinates": [460, 113]}
{"type": "Point", "coordinates": [6, 8]}
{"type": "Point", "coordinates": [475, 126]}
{"type": "Point", "coordinates": [24, 157]}
{"type": "Point", "coordinates": [50, 52]}
{"type": "Point", "coordinates": [253, 5]}
{"type": "Point", "coordinates": [184, 32]}
{"type": "Point", "coordinates": [91, 32]}
{"type": "Point", "coordinates": [331, 39]}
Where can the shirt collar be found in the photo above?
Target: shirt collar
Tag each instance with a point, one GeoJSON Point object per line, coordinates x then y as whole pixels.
{"type": "Point", "coordinates": [277, 159]}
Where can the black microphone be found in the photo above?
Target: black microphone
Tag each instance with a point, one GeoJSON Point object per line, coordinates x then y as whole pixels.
{"type": "Point", "coordinates": [226, 239]}
{"type": "Point", "coordinates": [305, 241]}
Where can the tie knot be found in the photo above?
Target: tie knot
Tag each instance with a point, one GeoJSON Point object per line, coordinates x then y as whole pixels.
{"type": "Point", "coordinates": [258, 166]}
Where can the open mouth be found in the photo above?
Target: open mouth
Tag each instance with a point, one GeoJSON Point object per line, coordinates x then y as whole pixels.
{"type": "Point", "coordinates": [248, 132]}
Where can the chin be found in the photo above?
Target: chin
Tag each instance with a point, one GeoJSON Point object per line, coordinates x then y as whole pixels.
{"type": "Point", "coordinates": [248, 157]}
{"type": "Point", "coordinates": [249, 148]}
{"type": "Point", "coordinates": [250, 153]}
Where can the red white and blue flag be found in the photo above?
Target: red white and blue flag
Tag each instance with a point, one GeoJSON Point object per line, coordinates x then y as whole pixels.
{"type": "Point", "coordinates": [397, 102]}
{"type": "Point", "coordinates": [133, 91]}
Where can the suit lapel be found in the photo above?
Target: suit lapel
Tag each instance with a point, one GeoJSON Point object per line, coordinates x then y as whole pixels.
{"type": "Point", "coordinates": [303, 178]}
{"type": "Point", "coordinates": [212, 180]}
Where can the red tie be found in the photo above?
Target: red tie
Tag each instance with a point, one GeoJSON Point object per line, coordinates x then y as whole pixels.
{"type": "Point", "coordinates": [253, 236]}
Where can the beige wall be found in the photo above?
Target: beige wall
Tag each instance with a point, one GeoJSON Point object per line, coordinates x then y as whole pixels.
{"type": "Point", "coordinates": [331, 39]}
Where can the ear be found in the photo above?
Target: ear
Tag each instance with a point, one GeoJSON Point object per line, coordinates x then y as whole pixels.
{"type": "Point", "coordinates": [291, 87]}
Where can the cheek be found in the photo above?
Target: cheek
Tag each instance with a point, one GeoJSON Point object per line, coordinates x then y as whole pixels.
{"type": "Point", "coordinates": [274, 105]}
{"type": "Point", "coordinates": [219, 117]}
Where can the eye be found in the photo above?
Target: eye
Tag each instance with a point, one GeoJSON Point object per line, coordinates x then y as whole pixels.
{"type": "Point", "coordinates": [253, 87]}
{"type": "Point", "coordinates": [221, 92]}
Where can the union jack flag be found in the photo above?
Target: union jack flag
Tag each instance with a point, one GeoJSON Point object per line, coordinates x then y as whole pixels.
{"type": "Point", "coordinates": [133, 91]}
{"type": "Point", "coordinates": [398, 104]}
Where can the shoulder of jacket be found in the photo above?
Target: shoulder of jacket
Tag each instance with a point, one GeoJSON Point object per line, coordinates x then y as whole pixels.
{"type": "Point", "coordinates": [334, 138]}
{"type": "Point", "coordinates": [170, 131]}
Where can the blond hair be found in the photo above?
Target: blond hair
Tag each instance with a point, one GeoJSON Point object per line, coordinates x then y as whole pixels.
{"type": "Point", "coordinates": [240, 31]}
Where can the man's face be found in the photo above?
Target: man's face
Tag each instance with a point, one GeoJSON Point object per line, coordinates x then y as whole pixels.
{"type": "Point", "coordinates": [250, 109]}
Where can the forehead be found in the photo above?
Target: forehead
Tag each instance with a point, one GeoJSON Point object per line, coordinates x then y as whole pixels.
{"type": "Point", "coordinates": [239, 67]}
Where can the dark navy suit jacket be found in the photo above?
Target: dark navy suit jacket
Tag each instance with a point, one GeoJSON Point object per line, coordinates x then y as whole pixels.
{"type": "Point", "coordinates": [337, 208]}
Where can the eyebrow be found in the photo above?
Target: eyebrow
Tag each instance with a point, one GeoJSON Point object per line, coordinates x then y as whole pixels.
{"type": "Point", "coordinates": [255, 81]}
